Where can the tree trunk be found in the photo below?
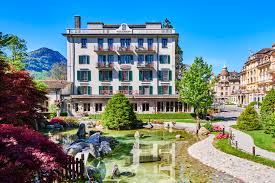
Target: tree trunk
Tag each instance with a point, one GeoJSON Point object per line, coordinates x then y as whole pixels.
{"type": "Point", "coordinates": [198, 123]}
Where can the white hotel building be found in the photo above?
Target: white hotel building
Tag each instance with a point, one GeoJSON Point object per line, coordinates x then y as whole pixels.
{"type": "Point", "coordinates": [137, 60]}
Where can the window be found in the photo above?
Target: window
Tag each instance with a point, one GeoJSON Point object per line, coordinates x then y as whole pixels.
{"type": "Point", "coordinates": [86, 106]}
{"type": "Point", "coordinates": [146, 90]}
{"type": "Point", "coordinates": [125, 76]}
{"type": "Point", "coordinates": [110, 44]}
{"type": "Point", "coordinates": [101, 58]}
{"type": "Point", "coordinates": [105, 90]}
{"type": "Point", "coordinates": [127, 90]}
{"type": "Point", "coordinates": [105, 75]}
{"type": "Point", "coordinates": [134, 106]}
{"type": "Point", "coordinates": [150, 43]}
{"type": "Point", "coordinates": [164, 42]}
{"type": "Point", "coordinates": [164, 90]}
{"type": "Point", "coordinates": [178, 107]}
{"type": "Point", "coordinates": [165, 75]}
{"type": "Point", "coordinates": [125, 59]}
{"type": "Point", "coordinates": [84, 90]}
{"type": "Point", "coordinates": [140, 58]}
{"type": "Point", "coordinates": [83, 43]}
{"type": "Point", "coordinates": [84, 75]}
{"type": "Point", "coordinates": [84, 59]}
{"type": "Point", "coordinates": [164, 59]}
{"type": "Point", "coordinates": [145, 75]}
{"type": "Point", "coordinates": [76, 107]}
{"type": "Point", "coordinates": [160, 106]}
{"type": "Point", "coordinates": [167, 106]}
{"type": "Point", "coordinates": [125, 43]}
{"type": "Point", "coordinates": [110, 58]}
{"type": "Point", "coordinates": [149, 58]}
{"type": "Point", "coordinates": [98, 107]}
{"type": "Point", "coordinates": [140, 43]}
{"type": "Point", "coordinates": [100, 43]}
{"type": "Point", "coordinates": [145, 107]}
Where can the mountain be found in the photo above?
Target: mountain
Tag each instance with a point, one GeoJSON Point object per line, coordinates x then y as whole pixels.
{"type": "Point", "coordinates": [42, 59]}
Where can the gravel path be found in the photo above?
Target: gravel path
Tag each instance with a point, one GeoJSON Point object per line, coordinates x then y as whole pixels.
{"type": "Point", "coordinates": [245, 170]}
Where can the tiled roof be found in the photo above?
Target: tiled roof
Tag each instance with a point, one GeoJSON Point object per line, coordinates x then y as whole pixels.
{"type": "Point", "coordinates": [56, 84]}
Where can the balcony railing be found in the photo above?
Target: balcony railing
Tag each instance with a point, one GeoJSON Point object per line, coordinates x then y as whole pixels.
{"type": "Point", "coordinates": [106, 92]}
{"type": "Point", "coordinates": [151, 49]}
{"type": "Point", "coordinates": [105, 49]}
{"type": "Point", "coordinates": [105, 65]}
{"type": "Point", "coordinates": [126, 92]}
{"type": "Point", "coordinates": [127, 49]}
{"type": "Point", "coordinates": [145, 65]}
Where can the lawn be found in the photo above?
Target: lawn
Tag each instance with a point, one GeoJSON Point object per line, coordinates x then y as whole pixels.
{"type": "Point", "coordinates": [261, 139]}
{"type": "Point", "coordinates": [223, 145]}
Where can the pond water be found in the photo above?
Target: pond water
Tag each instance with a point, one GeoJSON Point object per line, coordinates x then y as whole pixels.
{"type": "Point", "coordinates": [167, 156]}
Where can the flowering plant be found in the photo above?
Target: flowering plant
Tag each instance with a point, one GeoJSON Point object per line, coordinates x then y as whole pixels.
{"type": "Point", "coordinates": [222, 136]}
{"type": "Point", "coordinates": [57, 120]}
{"type": "Point", "coordinates": [217, 128]}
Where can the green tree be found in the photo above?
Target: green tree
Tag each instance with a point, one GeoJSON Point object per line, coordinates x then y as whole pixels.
{"type": "Point", "coordinates": [119, 113]}
{"type": "Point", "coordinates": [40, 85]}
{"type": "Point", "coordinates": [267, 109]}
{"type": "Point", "coordinates": [249, 119]}
{"type": "Point", "coordinates": [196, 87]}
{"type": "Point", "coordinates": [269, 124]}
{"type": "Point", "coordinates": [59, 71]}
{"type": "Point", "coordinates": [13, 49]}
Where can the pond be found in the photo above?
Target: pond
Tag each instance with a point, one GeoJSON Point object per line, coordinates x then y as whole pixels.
{"type": "Point", "coordinates": [159, 157]}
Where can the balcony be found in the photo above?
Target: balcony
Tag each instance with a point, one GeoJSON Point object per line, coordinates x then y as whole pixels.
{"type": "Point", "coordinates": [105, 92]}
{"type": "Point", "coordinates": [125, 50]}
{"type": "Point", "coordinates": [105, 65]}
{"type": "Point", "coordinates": [146, 50]}
{"type": "Point", "coordinates": [103, 50]}
{"type": "Point", "coordinates": [145, 65]}
{"type": "Point", "coordinates": [126, 92]}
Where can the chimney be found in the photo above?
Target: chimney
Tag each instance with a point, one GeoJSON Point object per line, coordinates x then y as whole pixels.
{"type": "Point", "coordinates": [77, 22]}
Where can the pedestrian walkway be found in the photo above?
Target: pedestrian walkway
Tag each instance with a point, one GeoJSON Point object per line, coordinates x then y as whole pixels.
{"type": "Point", "coordinates": [243, 169]}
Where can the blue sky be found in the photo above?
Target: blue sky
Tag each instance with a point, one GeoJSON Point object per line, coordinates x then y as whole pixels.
{"type": "Point", "coordinates": [221, 31]}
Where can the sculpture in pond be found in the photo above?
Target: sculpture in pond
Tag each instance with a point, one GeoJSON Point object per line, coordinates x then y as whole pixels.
{"type": "Point", "coordinates": [81, 132]}
{"type": "Point", "coordinates": [115, 172]}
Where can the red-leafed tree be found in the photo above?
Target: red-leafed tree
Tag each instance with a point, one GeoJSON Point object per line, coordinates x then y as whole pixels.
{"type": "Point", "coordinates": [25, 153]}
{"type": "Point", "coordinates": [20, 99]}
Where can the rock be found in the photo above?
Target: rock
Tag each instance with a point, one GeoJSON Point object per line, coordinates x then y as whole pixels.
{"type": "Point", "coordinates": [42, 124]}
{"type": "Point", "coordinates": [105, 148]}
{"type": "Point", "coordinates": [94, 139]}
{"type": "Point", "coordinates": [94, 174]}
{"type": "Point", "coordinates": [203, 131]}
{"type": "Point", "coordinates": [74, 149]}
{"type": "Point", "coordinates": [91, 132]}
{"type": "Point", "coordinates": [50, 126]}
{"type": "Point", "coordinates": [127, 174]}
{"type": "Point", "coordinates": [81, 132]}
{"type": "Point", "coordinates": [178, 136]}
{"type": "Point", "coordinates": [57, 125]}
{"type": "Point", "coordinates": [94, 150]}
{"type": "Point", "coordinates": [112, 141]}
{"type": "Point", "coordinates": [115, 172]}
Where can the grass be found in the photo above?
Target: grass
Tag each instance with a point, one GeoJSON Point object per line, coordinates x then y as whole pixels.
{"type": "Point", "coordinates": [261, 139]}
{"type": "Point", "coordinates": [223, 145]}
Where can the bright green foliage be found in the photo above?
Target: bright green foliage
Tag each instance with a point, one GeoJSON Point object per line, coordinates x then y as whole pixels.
{"type": "Point", "coordinates": [196, 86]}
{"type": "Point", "coordinates": [119, 113]}
{"type": "Point", "coordinates": [267, 108]}
{"type": "Point", "coordinates": [249, 119]}
{"type": "Point", "coordinates": [40, 85]}
{"type": "Point", "coordinates": [269, 124]}
{"type": "Point", "coordinates": [14, 50]}
{"type": "Point", "coordinates": [208, 126]}
{"type": "Point", "coordinates": [52, 110]}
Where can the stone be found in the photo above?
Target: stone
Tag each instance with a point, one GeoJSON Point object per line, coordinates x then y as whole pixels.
{"type": "Point", "coordinates": [81, 132]}
{"type": "Point", "coordinates": [94, 139]}
{"type": "Point", "coordinates": [178, 136]}
{"type": "Point", "coordinates": [105, 148]}
{"type": "Point", "coordinates": [74, 149]}
{"type": "Point", "coordinates": [91, 132]}
{"type": "Point", "coordinates": [93, 174]}
{"type": "Point", "coordinates": [50, 126]}
{"type": "Point", "coordinates": [203, 131]}
{"type": "Point", "coordinates": [94, 150]}
{"type": "Point", "coordinates": [115, 172]}
{"type": "Point", "coordinates": [57, 125]}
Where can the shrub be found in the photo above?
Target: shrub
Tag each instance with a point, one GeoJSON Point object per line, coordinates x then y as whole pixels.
{"type": "Point", "coordinates": [249, 119]}
{"type": "Point", "coordinates": [23, 152]}
{"type": "Point", "coordinates": [72, 121]}
{"type": "Point", "coordinates": [208, 126]}
{"type": "Point", "coordinates": [267, 109]}
{"type": "Point", "coordinates": [63, 114]}
{"type": "Point", "coordinates": [222, 136]}
{"type": "Point", "coordinates": [58, 120]}
{"type": "Point", "coordinates": [52, 110]}
{"type": "Point", "coordinates": [217, 128]}
{"type": "Point", "coordinates": [269, 124]}
{"type": "Point", "coordinates": [119, 113]}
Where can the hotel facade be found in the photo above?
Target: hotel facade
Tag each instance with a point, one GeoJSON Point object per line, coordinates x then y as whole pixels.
{"type": "Point", "coordinates": [137, 60]}
{"type": "Point", "coordinates": [257, 76]}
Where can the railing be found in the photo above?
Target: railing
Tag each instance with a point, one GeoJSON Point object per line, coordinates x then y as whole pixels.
{"type": "Point", "coordinates": [145, 65]}
{"type": "Point", "coordinates": [102, 49]}
{"type": "Point", "coordinates": [106, 92]}
{"type": "Point", "coordinates": [112, 31]}
{"type": "Point", "coordinates": [105, 65]}
{"type": "Point", "coordinates": [146, 49]}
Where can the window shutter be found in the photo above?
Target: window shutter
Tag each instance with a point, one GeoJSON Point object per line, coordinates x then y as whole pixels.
{"type": "Point", "coordinates": [111, 89]}
{"type": "Point", "coordinates": [131, 75]}
{"type": "Point", "coordinates": [100, 90]}
{"type": "Point", "coordinates": [89, 90]}
{"type": "Point", "coordinates": [78, 75]}
{"type": "Point", "coordinates": [160, 90]}
{"type": "Point", "coordinates": [140, 90]}
{"type": "Point", "coordinates": [170, 75]}
{"type": "Point", "coordinates": [78, 90]}
{"type": "Point", "coordinates": [132, 59]}
{"type": "Point", "coordinates": [119, 88]}
{"type": "Point", "coordinates": [80, 58]}
{"type": "Point", "coordinates": [104, 58]}
{"type": "Point", "coordinates": [130, 88]}
{"type": "Point", "coordinates": [151, 90]}
{"type": "Point", "coordinates": [88, 59]}
{"type": "Point", "coordinates": [168, 59]}
{"type": "Point", "coordinates": [151, 75]}
{"type": "Point", "coordinates": [170, 90]}
{"type": "Point", "coordinates": [146, 58]}
{"type": "Point", "coordinates": [111, 75]}
{"type": "Point", "coordinates": [140, 75]}
{"type": "Point", "coordinates": [120, 75]}
{"type": "Point", "coordinates": [119, 59]}
{"type": "Point", "coordinates": [161, 59]}
{"type": "Point", "coordinates": [100, 75]}
{"type": "Point", "coordinates": [89, 76]}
